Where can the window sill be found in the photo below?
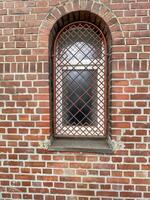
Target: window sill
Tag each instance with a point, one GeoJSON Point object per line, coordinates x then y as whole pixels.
{"type": "Point", "coordinates": [92, 145]}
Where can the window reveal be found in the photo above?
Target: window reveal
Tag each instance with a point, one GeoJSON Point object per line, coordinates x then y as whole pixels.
{"type": "Point", "coordinates": [80, 81]}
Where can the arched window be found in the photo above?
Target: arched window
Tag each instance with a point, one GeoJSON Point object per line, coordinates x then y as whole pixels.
{"type": "Point", "coordinates": [80, 81]}
{"type": "Point", "coordinates": [80, 78]}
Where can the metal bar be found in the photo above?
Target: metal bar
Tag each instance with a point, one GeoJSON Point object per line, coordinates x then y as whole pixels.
{"type": "Point", "coordinates": [75, 43]}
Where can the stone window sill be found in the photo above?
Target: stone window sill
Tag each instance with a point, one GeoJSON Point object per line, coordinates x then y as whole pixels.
{"type": "Point", "coordinates": [92, 145]}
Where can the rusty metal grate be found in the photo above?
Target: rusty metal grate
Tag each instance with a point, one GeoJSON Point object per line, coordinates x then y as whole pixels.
{"type": "Point", "coordinates": [79, 76]}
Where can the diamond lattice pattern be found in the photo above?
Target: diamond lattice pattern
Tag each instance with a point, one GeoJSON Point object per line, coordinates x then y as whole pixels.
{"type": "Point", "coordinates": [80, 81]}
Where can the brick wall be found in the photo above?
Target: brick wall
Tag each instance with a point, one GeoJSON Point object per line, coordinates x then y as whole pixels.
{"type": "Point", "coordinates": [29, 171]}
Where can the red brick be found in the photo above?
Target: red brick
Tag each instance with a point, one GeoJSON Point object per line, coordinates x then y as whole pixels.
{"type": "Point", "coordinates": [39, 190]}
{"type": "Point", "coordinates": [70, 179]}
{"type": "Point", "coordinates": [107, 194]}
{"type": "Point", "coordinates": [104, 166]}
{"type": "Point", "coordinates": [116, 159]}
{"type": "Point", "coordinates": [6, 176]}
{"type": "Point", "coordinates": [49, 197]}
{"type": "Point", "coordinates": [12, 137]}
{"type": "Point", "coordinates": [147, 195]}
{"type": "Point", "coordinates": [141, 181]}
{"type": "Point", "coordinates": [24, 177]}
{"type": "Point", "coordinates": [131, 139]}
{"type": "Point", "coordinates": [47, 178]}
{"type": "Point", "coordinates": [121, 124]}
{"type": "Point", "coordinates": [93, 180]}
{"type": "Point", "coordinates": [128, 166]}
{"type": "Point", "coordinates": [130, 194]}
{"type": "Point", "coordinates": [13, 163]}
{"type": "Point", "coordinates": [120, 97]}
{"type": "Point", "coordinates": [35, 164]}
{"type": "Point", "coordinates": [80, 165]}
{"type": "Point", "coordinates": [140, 97]}
{"type": "Point", "coordinates": [83, 192]}
{"type": "Point", "coordinates": [5, 124]}
{"type": "Point", "coordinates": [129, 174]}
{"type": "Point", "coordinates": [9, 52]}
{"type": "Point", "coordinates": [145, 167]}
{"type": "Point", "coordinates": [139, 153]}
{"type": "Point", "coordinates": [118, 180]}
{"type": "Point", "coordinates": [60, 191]}
{"type": "Point", "coordinates": [22, 97]}
{"type": "Point", "coordinates": [57, 165]}
{"type": "Point", "coordinates": [24, 150]}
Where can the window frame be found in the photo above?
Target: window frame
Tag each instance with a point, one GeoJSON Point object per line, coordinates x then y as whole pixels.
{"type": "Point", "coordinates": [103, 144]}
{"type": "Point", "coordinates": [105, 83]}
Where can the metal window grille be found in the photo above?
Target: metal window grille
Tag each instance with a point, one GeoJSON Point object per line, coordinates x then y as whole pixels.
{"type": "Point", "coordinates": [80, 81]}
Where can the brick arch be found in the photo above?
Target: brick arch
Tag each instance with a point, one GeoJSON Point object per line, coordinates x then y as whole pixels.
{"type": "Point", "coordinates": [68, 6]}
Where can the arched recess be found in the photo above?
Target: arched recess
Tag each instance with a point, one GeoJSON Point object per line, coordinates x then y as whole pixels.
{"type": "Point", "coordinates": [65, 20]}
{"type": "Point", "coordinates": [70, 11]}
{"type": "Point", "coordinates": [69, 6]}
{"type": "Point", "coordinates": [83, 40]}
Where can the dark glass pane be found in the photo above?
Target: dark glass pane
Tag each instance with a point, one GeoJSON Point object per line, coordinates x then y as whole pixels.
{"type": "Point", "coordinates": [79, 97]}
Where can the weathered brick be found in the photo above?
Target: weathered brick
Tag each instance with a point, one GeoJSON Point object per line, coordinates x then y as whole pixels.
{"type": "Point", "coordinates": [29, 171]}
